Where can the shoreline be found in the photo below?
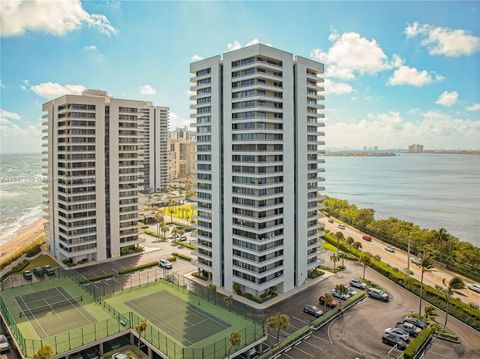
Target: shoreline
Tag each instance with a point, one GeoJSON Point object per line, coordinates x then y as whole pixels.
{"type": "Point", "coordinates": [23, 236]}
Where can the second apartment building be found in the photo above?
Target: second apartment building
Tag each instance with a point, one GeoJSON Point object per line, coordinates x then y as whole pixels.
{"type": "Point", "coordinates": [259, 168]}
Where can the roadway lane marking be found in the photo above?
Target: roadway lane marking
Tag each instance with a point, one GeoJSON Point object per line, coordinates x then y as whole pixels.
{"type": "Point", "coordinates": [300, 320]}
{"type": "Point", "coordinates": [328, 330]}
{"type": "Point", "coordinates": [303, 351]}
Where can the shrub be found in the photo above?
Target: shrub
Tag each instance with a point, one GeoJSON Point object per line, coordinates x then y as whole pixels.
{"type": "Point", "coordinates": [315, 273]}
{"type": "Point", "coordinates": [186, 245]}
{"type": "Point", "coordinates": [172, 258]}
{"type": "Point", "coordinates": [182, 256]}
{"type": "Point", "coordinates": [139, 267]}
{"type": "Point", "coordinates": [237, 288]}
{"type": "Point", "coordinates": [34, 251]}
{"type": "Point", "coordinates": [417, 343]}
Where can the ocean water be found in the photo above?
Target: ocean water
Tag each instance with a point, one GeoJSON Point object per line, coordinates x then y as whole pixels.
{"type": "Point", "coordinates": [431, 190]}
{"type": "Point", "coordinates": [428, 189]}
{"type": "Point", "coordinates": [20, 192]}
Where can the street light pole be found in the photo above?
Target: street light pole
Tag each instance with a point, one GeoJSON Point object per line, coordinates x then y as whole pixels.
{"type": "Point", "coordinates": [408, 257]}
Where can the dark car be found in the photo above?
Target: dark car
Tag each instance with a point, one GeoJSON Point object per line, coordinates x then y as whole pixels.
{"type": "Point", "coordinates": [91, 353]}
{"type": "Point", "coordinates": [39, 272]}
{"type": "Point", "coordinates": [333, 303]}
{"type": "Point", "coordinates": [411, 329]}
{"type": "Point", "coordinates": [393, 340]}
{"type": "Point", "coordinates": [312, 310]}
{"type": "Point", "coordinates": [27, 275]}
{"type": "Point", "coordinates": [49, 270]}
{"type": "Point", "coordinates": [417, 322]}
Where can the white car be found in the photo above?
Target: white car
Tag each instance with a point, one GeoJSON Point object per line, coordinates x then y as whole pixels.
{"type": "Point", "coordinates": [119, 356]}
{"type": "Point", "coordinates": [337, 294]}
{"type": "Point", "coordinates": [341, 226]}
{"type": "Point", "coordinates": [358, 284]}
{"type": "Point", "coordinates": [390, 249]}
{"type": "Point", "coordinates": [165, 263]}
{"type": "Point", "coordinates": [475, 287]}
{"type": "Point", "coordinates": [4, 345]}
{"type": "Point", "coordinates": [399, 333]}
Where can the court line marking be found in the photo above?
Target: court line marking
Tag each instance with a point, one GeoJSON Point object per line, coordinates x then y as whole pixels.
{"type": "Point", "coordinates": [53, 309]}
{"type": "Point", "coordinates": [149, 313]}
{"type": "Point", "coordinates": [41, 327]}
{"type": "Point", "coordinates": [173, 310]}
{"type": "Point", "coordinates": [71, 302]}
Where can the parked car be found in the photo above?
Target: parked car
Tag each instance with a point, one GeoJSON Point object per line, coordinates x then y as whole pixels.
{"type": "Point", "coordinates": [475, 287]}
{"type": "Point", "coordinates": [91, 353]}
{"type": "Point", "coordinates": [119, 356]}
{"type": "Point", "coordinates": [417, 322]}
{"type": "Point", "coordinates": [39, 272]}
{"type": "Point", "coordinates": [312, 310]}
{"type": "Point", "coordinates": [49, 270]}
{"type": "Point", "coordinates": [392, 340]}
{"type": "Point", "coordinates": [378, 294]}
{"type": "Point", "coordinates": [409, 328]}
{"type": "Point", "coordinates": [390, 249]}
{"type": "Point", "coordinates": [416, 261]}
{"type": "Point", "coordinates": [76, 356]}
{"type": "Point", "coordinates": [165, 263]}
{"type": "Point", "coordinates": [351, 292]}
{"type": "Point", "coordinates": [342, 296]}
{"type": "Point", "coordinates": [402, 334]}
{"type": "Point", "coordinates": [4, 345]}
{"type": "Point", "coordinates": [332, 304]}
{"type": "Point", "coordinates": [341, 226]}
{"type": "Point", "coordinates": [331, 221]}
{"type": "Point", "coordinates": [358, 284]}
{"type": "Point", "coordinates": [28, 275]}
{"type": "Point", "coordinates": [182, 239]}
{"type": "Point", "coordinates": [367, 238]}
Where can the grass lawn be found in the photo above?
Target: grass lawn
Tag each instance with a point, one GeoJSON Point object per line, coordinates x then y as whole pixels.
{"type": "Point", "coordinates": [329, 247]}
{"type": "Point", "coordinates": [184, 212]}
{"type": "Point", "coordinates": [41, 261]}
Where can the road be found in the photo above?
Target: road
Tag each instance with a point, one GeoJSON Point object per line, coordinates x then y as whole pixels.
{"type": "Point", "coordinates": [358, 333]}
{"type": "Point", "coordinates": [399, 259]}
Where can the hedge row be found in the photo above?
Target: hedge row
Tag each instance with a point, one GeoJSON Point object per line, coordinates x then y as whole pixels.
{"type": "Point", "coordinates": [317, 323]}
{"type": "Point", "coordinates": [458, 309]}
{"type": "Point", "coordinates": [153, 234]}
{"type": "Point", "coordinates": [139, 267]}
{"type": "Point", "coordinates": [417, 343]}
{"type": "Point", "coordinates": [182, 256]}
{"type": "Point", "coordinates": [186, 245]}
{"type": "Point", "coordinates": [292, 338]}
{"type": "Point", "coordinates": [29, 248]}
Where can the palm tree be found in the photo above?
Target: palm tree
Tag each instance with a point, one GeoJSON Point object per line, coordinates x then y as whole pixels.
{"type": "Point", "coordinates": [228, 301]}
{"type": "Point", "coordinates": [340, 237]}
{"type": "Point", "coordinates": [341, 288]}
{"type": "Point", "coordinates": [357, 246]}
{"type": "Point", "coordinates": [365, 260]}
{"type": "Point", "coordinates": [342, 256]}
{"type": "Point", "coordinates": [430, 312]}
{"type": "Point", "coordinates": [426, 265]}
{"type": "Point", "coordinates": [164, 230]}
{"type": "Point", "coordinates": [140, 329]}
{"type": "Point", "coordinates": [451, 287]}
{"type": "Point", "coordinates": [278, 322]}
{"type": "Point", "coordinates": [174, 231]}
{"type": "Point", "coordinates": [159, 218]}
{"type": "Point", "coordinates": [328, 299]}
{"type": "Point", "coordinates": [44, 352]}
{"type": "Point", "coordinates": [235, 339]}
{"type": "Point", "coordinates": [171, 203]}
{"type": "Point", "coordinates": [334, 258]}
{"type": "Point", "coordinates": [442, 237]}
{"type": "Point", "coordinates": [350, 241]}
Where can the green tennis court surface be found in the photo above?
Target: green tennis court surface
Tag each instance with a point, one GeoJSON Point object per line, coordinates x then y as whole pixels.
{"type": "Point", "coordinates": [53, 311]}
{"type": "Point", "coordinates": [182, 320]}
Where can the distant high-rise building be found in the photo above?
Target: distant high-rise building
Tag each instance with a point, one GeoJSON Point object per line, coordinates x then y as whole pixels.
{"type": "Point", "coordinates": [415, 148]}
{"type": "Point", "coordinates": [94, 168]}
{"type": "Point", "coordinates": [181, 153]}
{"type": "Point", "coordinates": [154, 146]}
{"type": "Point", "coordinates": [259, 168]}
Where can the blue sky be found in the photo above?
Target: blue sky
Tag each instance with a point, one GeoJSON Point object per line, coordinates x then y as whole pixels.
{"type": "Point", "coordinates": [397, 73]}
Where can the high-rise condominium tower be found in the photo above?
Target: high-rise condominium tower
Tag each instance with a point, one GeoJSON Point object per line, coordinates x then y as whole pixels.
{"type": "Point", "coordinates": [154, 146]}
{"type": "Point", "coordinates": [259, 168]}
{"type": "Point", "coordinates": [94, 168]}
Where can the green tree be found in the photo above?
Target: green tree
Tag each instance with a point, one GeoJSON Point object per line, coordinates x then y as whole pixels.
{"type": "Point", "coordinates": [235, 339]}
{"type": "Point", "coordinates": [341, 288]}
{"type": "Point", "coordinates": [228, 301]}
{"type": "Point", "coordinates": [350, 241]}
{"type": "Point", "coordinates": [342, 256]}
{"type": "Point", "coordinates": [159, 218]}
{"type": "Point", "coordinates": [278, 322]}
{"type": "Point", "coordinates": [340, 237]}
{"type": "Point", "coordinates": [365, 260]}
{"type": "Point", "coordinates": [430, 312]}
{"type": "Point", "coordinates": [357, 246]}
{"type": "Point", "coordinates": [453, 286]}
{"type": "Point", "coordinates": [164, 229]}
{"type": "Point", "coordinates": [334, 258]}
{"type": "Point", "coordinates": [328, 299]}
{"type": "Point", "coordinates": [44, 352]}
{"type": "Point", "coordinates": [171, 204]}
{"type": "Point", "coordinates": [140, 329]}
{"type": "Point", "coordinates": [426, 265]}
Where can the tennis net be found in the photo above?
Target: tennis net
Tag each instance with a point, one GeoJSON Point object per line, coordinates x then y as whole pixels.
{"type": "Point", "coordinates": [50, 306]}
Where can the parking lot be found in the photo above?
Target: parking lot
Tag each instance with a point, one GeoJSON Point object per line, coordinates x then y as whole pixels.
{"type": "Point", "coordinates": [358, 333]}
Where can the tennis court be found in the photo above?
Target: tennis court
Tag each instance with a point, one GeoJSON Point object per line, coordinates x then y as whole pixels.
{"type": "Point", "coordinates": [53, 311]}
{"type": "Point", "coordinates": [183, 321]}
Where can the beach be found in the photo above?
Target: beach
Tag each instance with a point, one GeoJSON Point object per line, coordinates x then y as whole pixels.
{"type": "Point", "coordinates": [24, 236]}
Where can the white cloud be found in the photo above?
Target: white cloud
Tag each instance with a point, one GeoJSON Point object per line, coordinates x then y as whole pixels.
{"type": "Point", "coordinates": [2, 85]}
{"type": "Point", "coordinates": [443, 40]}
{"type": "Point", "coordinates": [90, 48]}
{"type": "Point", "coordinates": [25, 86]}
{"type": "Point", "coordinates": [178, 121]}
{"type": "Point", "coordinates": [474, 107]}
{"type": "Point", "coordinates": [447, 98]}
{"type": "Point", "coordinates": [337, 88]}
{"type": "Point", "coordinates": [196, 57]}
{"type": "Point", "coordinates": [15, 137]}
{"type": "Point", "coordinates": [391, 130]}
{"type": "Point", "coordinates": [405, 75]}
{"type": "Point", "coordinates": [235, 44]}
{"type": "Point", "coordinates": [7, 115]}
{"type": "Point", "coordinates": [55, 17]}
{"type": "Point", "coordinates": [352, 54]}
{"type": "Point", "coordinates": [51, 90]}
{"type": "Point", "coordinates": [147, 90]}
